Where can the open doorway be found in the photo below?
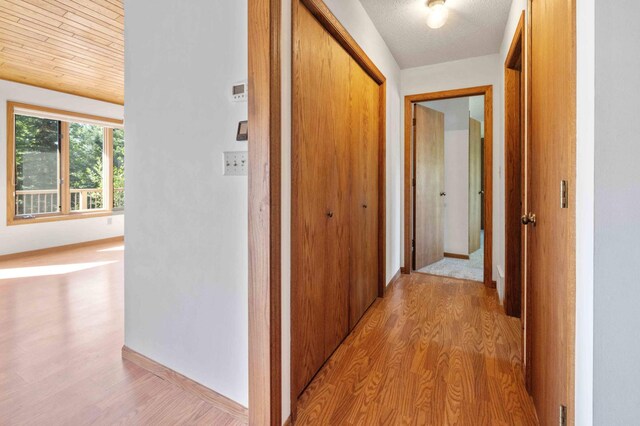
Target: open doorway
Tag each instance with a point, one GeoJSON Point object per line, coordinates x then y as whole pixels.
{"type": "Point", "coordinates": [448, 228]}
{"type": "Point", "coordinates": [448, 146]}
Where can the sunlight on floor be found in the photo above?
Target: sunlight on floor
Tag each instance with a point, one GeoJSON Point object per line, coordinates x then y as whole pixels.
{"type": "Point", "coordinates": [41, 271]}
{"type": "Point", "coordinates": [117, 248]}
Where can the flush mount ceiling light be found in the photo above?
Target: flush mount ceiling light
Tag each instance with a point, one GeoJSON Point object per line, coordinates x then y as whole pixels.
{"type": "Point", "coordinates": [438, 13]}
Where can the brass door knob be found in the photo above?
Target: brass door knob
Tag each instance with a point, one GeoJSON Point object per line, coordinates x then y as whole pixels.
{"type": "Point", "coordinates": [528, 219]}
{"type": "Point", "coordinates": [329, 213]}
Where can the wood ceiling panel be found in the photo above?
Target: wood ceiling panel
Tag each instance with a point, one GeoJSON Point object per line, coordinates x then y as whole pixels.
{"type": "Point", "coordinates": [73, 46]}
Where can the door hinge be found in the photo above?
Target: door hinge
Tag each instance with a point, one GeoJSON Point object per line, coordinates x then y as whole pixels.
{"type": "Point", "coordinates": [413, 182]}
{"type": "Point", "coordinates": [413, 244]}
{"type": "Point", "coordinates": [563, 415]}
{"type": "Point", "coordinates": [414, 121]}
{"type": "Point", "coordinates": [564, 194]}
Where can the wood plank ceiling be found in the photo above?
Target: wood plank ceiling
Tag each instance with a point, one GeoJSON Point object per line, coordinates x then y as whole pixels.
{"type": "Point", "coordinates": [72, 46]}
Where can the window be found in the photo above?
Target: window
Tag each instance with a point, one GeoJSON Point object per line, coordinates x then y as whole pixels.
{"type": "Point", "coordinates": [63, 165]}
{"type": "Point", "coordinates": [118, 169]}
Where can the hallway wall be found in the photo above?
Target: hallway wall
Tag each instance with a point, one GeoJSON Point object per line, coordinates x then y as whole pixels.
{"type": "Point", "coordinates": [616, 379]}
{"type": "Point", "coordinates": [186, 260]}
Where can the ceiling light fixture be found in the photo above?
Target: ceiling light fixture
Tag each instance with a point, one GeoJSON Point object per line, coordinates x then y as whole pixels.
{"type": "Point", "coordinates": [438, 13]}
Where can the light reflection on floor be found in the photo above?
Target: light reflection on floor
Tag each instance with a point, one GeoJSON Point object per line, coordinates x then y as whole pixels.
{"type": "Point", "coordinates": [41, 271]}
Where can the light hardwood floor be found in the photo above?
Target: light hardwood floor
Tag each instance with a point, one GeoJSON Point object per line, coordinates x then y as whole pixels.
{"type": "Point", "coordinates": [61, 334]}
{"type": "Point", "coordinates": [434, 351]}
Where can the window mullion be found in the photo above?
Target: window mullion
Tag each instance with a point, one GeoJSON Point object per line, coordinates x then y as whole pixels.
{"type": "Point", "coordinates": [108, 168]}
{"type": "Point", "coordinates": [65, 191]}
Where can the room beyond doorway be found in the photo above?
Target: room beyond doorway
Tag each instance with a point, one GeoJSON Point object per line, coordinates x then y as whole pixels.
{"type": "Point", "coordinates": [447, 188]}
{"type": "Point", "coordinates": [448, 177]}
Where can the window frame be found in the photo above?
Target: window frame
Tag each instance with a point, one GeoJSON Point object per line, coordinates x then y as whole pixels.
{"type": "Point", "coordinates": [65, 118]}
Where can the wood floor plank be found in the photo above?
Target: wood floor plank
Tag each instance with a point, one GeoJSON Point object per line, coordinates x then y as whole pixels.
{"type": "Point", "coordinates": [434, 351]}
{"type": "Point", "coordinates": [61, 335]}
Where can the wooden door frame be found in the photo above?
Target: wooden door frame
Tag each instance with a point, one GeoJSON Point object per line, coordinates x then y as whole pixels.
{"type": "Point", "coordinates": [264, 70]}
{"type": "Point", "coordinates": [409, 100]}
{"type": "Point", "coordinates": [333, 26]}
{"type": "Point", "coordinates": [514, 297]}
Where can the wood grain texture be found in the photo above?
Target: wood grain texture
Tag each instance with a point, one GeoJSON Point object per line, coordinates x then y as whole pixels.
{"type": "Point", "coordinates": [409, 100]}
{"type": "Point", "coordinates": [434, 351]}
{"type": "Point", "coordinates": [475, 184]}
{"type": "Point", "coordinates": [338, 199]}
{"type": "Point", "coordinates": [428, 170]}
{"type": "Point", "coordinates": [64, 45]}
{"type": "Point", "coordinates": [342, 36]}
{"type": "Point", "coordinates": [221, 402]}
{"type": "Point", "coordinates": [456, 256]}
{"type": "Point", "coordinates": [61, 334]}
{"type": "Point", "coordinates": [264, 188]}
{"type": "Point", "coordinates": [551, 243]}
{"type": "Point", "coordinates": [514, 94]}
{"type": "Point", "coordinates": [363, 178]}
{"type": "Point", "coordinates": [320, 197]}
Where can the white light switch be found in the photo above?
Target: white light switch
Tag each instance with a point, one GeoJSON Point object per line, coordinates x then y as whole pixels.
{"type": "Point", "coordinates": [236, 163]}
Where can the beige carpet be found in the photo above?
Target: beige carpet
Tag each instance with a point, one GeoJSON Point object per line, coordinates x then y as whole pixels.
{"type": "Point", "coordinates": [472, 269]}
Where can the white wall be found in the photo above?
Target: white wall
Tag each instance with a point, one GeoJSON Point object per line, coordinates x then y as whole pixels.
{"type": "Point", "coordinates": [456, 173]}
{"type": "Point", "coordinates": [354, 18]}
{"type": "Point", "coordinates": [19, 238]}
{"type": "Point", "coordinates": [186, 235]}
{"type": "Point", "coordinates": [616, 376]}
{"type": "Point", "coordinates": [479, 71]}
{"type": "Point", "coordinates": [585, 119]}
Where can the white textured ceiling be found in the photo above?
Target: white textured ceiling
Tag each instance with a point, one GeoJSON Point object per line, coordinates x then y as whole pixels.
{"type": "Point", "coordinates": [474, 28]}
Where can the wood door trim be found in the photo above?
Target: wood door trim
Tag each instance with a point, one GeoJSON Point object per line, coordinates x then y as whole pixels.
{"type": "Point", "coordinates": [409, 100]}
{"type": "Point", "coordinates": [456, 256]}
{"type": "Point", "coordinates": [330, 23]}
{"type": "Point", "coordinates": [528, 129]}
{"type": "Point", "coordinates": [517, 45]}
{"type": "Point", "coordinates": [328, 20]}
{"type": "Point", "coordinates": [264, 188]}
{"type": "Point", "coordinates": [514, 62]}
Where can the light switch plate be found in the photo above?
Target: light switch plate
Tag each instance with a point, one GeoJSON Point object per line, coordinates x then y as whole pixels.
{"type": "Point", "coordinates": [236, 163]}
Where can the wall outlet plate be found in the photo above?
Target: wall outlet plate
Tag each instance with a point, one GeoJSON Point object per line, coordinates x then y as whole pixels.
{"type": "Point", "coordinates": [236, 163]}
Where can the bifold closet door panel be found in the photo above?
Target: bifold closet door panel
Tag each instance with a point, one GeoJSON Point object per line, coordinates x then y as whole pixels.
{"type": "Point", "coordinates": [364, 139]}
{"type": "Point", "coordinates": [319, 235]}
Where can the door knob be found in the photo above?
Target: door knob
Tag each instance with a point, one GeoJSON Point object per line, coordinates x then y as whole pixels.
{"type": "Point", "coordinates": [528, 219]}
{"type": "Point", "coordinates": [364, 206]}
{"type": "Point", "coordinates": [329, 213]}
{"type": "Point", "coordinates": [481, 192]}
{"type": "Point", "coordinates": [442, 194]}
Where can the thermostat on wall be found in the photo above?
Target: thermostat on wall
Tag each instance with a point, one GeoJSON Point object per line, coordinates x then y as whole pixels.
{"type": "Point", "coordinates": [240, 91]}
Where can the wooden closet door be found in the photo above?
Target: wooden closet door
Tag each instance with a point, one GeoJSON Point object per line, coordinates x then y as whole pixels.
{"type": "Point", "coordinates": [364, 140]}
{"type": "Point", "coordinates": [320, 234]}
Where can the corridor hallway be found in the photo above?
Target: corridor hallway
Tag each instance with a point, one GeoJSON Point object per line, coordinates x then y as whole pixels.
{"type": "Point", "coordinates": [434, 351]}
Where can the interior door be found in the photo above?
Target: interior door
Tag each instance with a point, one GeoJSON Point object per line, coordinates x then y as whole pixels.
{"type": "Point", "coordinates": [475, 184]}
{"type": "Point", "coordinates": [428, 137]}
{"type": "Point", "coordinates": [551, 236]}
{"type": "Point", "coordinates": [364, 141]}
{"type": "Point", "coordinates": [320, 198]}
